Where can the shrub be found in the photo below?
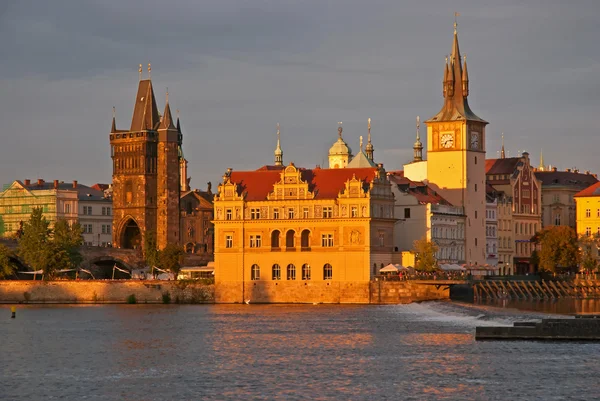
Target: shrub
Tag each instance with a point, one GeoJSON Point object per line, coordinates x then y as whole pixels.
{"type": "Point", "coordinates": [26, 296]}
{"type": "Point", "coordinates": [131, 299]}
{"type": "Point", "coordinates": [166, 297]}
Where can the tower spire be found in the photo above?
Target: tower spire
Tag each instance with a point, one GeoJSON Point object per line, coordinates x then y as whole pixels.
{"type": "Point", "coordinates": [278, 152]}
{"type": "Point", "coordinates": [114, 122]}
{"type": "Point", "coordinates": [418, 146]}
{"type": "Point", "coordinates": [502, 150]}
{"type": "Point", "coordinates": [369, 148]}
{"type": "Point", "coordinates": [167, 118]}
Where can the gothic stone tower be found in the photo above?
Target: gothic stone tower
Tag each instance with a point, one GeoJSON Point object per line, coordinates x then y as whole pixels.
{"type": "Point", "coordinates": [146, 174]}
{"type": "Point", "coordinates": [456, 154]}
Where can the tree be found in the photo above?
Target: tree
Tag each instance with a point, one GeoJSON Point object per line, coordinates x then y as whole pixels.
{"type": "Point", "coordinates": [425, 254]}
{"type": "Point", "coordinates": [559, 248]}
{"type": "Point", "coordinates": [170, 258]}
{"type": "Point", "coordinates": [151, 254]}
{"type": "Point", "coordinates": [35, 248]}
{"type": "Point", "coordinates": [68, 238]}
{"type": "Point", "coordinates": [7, 269]}
{"type": "Point", "coordinates": [586, 244]}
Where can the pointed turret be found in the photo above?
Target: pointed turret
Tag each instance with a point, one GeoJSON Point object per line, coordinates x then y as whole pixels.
{"type": "Point", "coordinates": [278, 152]}
{"type": "Point", "coordinates": [113, 128]}
{"type": "Point", "coordinates": [456, 88]}
{"type": "Point", "coordinates": [369, 148]}
{"type": "Point", "coordinates": [145, 112]}
{"type": "Point", "coordinates": [418, 146]}
{"type": "Point", "coordinates": [167, 119]}
{"type": "Point", "coordinates": [502, 150]}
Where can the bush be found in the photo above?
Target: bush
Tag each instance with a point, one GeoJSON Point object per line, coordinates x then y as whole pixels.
{"type": "Point", "coordinates": [26, 296]}
{"type": "Point", "coordinates": [166, 297]}
{"type": "Point", "coordinates": [131, 299]}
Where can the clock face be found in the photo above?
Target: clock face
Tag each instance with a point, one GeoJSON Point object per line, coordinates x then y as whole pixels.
{"type": "Point", "coordinates": [447, 141]}
{"type": "Point", "coordinates": [474, 140]}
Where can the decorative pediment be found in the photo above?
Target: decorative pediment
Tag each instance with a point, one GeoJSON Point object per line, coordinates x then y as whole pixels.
{"type": "Point", "coordinates": [16, 189]}
{"type": "Point", "coordinates": [353, 188]}
{"type": "Point", "coordinates": [290, 185]}
{"type": "Point", "coordinates": [229, 191]}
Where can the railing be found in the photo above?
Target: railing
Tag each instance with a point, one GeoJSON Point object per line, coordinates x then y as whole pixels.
{"type": "Point", "coordinates": [424, 276]}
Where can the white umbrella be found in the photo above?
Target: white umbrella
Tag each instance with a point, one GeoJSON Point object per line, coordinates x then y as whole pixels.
{"type": "Point", "coordinates": [389, 269]}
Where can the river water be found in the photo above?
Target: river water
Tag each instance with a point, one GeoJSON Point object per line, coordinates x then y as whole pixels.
{"type": "Point", "coordinates": [423, 351]}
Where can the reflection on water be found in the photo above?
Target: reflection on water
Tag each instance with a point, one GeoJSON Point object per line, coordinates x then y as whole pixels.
{"type": "Point", "coordinates": [273, 352]}
{"type": "Point", "coordinates": [563, 306]}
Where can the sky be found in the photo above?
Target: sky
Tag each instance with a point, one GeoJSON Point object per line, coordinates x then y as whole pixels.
{"type": "Point", "coordinates": [236, 68]}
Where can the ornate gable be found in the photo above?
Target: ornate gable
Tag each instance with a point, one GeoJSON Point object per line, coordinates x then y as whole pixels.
{"type": "Point", "coordinates": [228, 190]}
{"type": "Point", "coordinates": [354, 188]}
{"type": "Point", "coordinates": [290, 186]}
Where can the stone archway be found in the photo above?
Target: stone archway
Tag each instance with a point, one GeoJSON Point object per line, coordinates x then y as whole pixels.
{"type": "Point", "coordinates": [131, 236]}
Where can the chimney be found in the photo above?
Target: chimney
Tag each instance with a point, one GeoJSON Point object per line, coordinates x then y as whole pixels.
{"type": "Point", "coordinates": [554, 169]}
{"type": "Point", "coordinates": [568, 170]}
{"type": "Point", "coordinates": [40, 182]}
{"type": "Point", "coordinates": [55, 184]}
{"type": "Point", "coordinates": [28, 182]}
{"type": "Point", "coordinates": [74, 183]}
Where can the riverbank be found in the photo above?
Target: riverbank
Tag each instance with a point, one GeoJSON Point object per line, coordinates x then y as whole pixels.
{"type": "Point", "coordinates": [156, 292]}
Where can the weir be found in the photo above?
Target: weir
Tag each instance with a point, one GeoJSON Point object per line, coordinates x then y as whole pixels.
{"type": "Point", "coordinates": [538, 290]}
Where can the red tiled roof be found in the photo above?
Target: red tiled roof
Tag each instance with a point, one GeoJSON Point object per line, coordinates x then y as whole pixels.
{"type": "Point", "coordinates": [421, 191]}
{"type": "Point", "coordinates": [324, 183]}
{"type": "Point", "coordinates": [100, 187]}
{"type": "Point", "coordinates": [592, 190]}
{"type": "Point", "coordinates": [501, 166]}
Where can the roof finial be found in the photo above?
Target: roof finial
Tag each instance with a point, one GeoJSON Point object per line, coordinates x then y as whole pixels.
{"type": "Point", "coordinates": [149, 71]}
{"type": "Point", "coordinates": [177, 111]}
{"type": "Point", "coordinates": [456, 14]}
{"type": "Point", "coordinates": [361, 143]}
{"type": "Point", "coordinates": [418, 126]}
{"type": "Point", "coordinates": [278, 152]}
{"type": "Point", "coordinates": [114, 112]}
{"type": "Point", "coordinates": [418, 146]}
{"type": "Point", "coordinates": [502, 150]}
{"type": "Point", "coordinates": [167, 94]}
{"type": "Point", "coordinates": [340, 129]}
{"type": "Point", "coordinates": [140, 71]}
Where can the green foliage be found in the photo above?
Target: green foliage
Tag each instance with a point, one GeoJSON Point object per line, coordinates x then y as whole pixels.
{"type": "Point", "coordinates": [559, 249]}
{"type": "Point", "coordinates": [150, 249]}
{"type": "Point", "coordinates": [170, 258]}
{"type": "Point", "coordinates": [425, 255]}
{"type": "Point", "coordinates": [7, 269]}
{"type": "Point", "coordinates": [67, 240]}
{"type": "Point", "coordinates": [166, 297]}
{"type": "Point", "coordinates": [34, 245]}
{"type": "Point", "coordinates": [131, 299]}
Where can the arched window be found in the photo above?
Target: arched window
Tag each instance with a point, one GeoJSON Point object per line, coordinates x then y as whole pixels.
{"type": "Point", "coordinates": [276, 272]}
{"type": "Point", "coordinates": [255, 272]}
{"type": "Point", "coordinates": [306, 271]}
{"type": "Point", "coordinates": [291, 272]}
{"type": "Point", "coordinates": [275, 239]}
{"type": "Point", "coordinates": [289, 239]}
{"type": "Point", "coordinates": [305, 240]}
{"type": "Point", "coordinates": [327, 272]}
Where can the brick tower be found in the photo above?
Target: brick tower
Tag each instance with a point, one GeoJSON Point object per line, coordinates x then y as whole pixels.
{"type": "Point", "coordinates": [146, 174]}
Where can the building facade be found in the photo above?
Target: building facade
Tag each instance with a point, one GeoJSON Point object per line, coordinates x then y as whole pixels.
{"type": "Point", "coordinates": [95, 217]}
{"type": "Point", "coordinates": [197, 214]}
{"type": "Point", "coordinates": [506, 250]}
{"type": "Point", "coordinates": [456, 154]}
{"type": "Point", "coordinates": [558, 191]}
{"type": "Point", "coordinates": [146, 167]}
{"type": "Point", "coordinates": [282, 233]}
{"type": "Point", "coordinates": [491, 231]}
{"type": "Point", "coordinates": [588, 218]}
{"type": "Point", "coordinates": [513, 178]}
{"type": "Point", "coordinates": [422, 213]}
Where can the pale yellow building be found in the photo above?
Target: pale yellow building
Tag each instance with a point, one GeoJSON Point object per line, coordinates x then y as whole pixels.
{"type": "Point", "coordinates": [588, 215]}
{"type": "Point", "coordinates": [289, 234]}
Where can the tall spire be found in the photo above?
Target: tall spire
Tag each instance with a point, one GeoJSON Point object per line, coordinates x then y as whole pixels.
{"type": "Point", "coordinates": [502, 150]}
{"type": "Point", "coordinates": [542, 167]}
{"type": "Point", "coordinates": [369, 148]}
{"type": "Point", "coordinates": [114, 122]}
{"type": "Point", "coordinates": [278, 152]}
{"type": "Point", "coordinates": [145, 112]}
{"type": "Point", "coordinates": [418, 146]}
{"type": "Point", "coordinates": [465, 77]}
{"type": "Point", "coordinates": [178, 124]}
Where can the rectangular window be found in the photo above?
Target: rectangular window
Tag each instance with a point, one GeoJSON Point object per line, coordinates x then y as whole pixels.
{"type": "Point", "coordinates": [276, 213]}
{"type": "Point", "coordinates": [103, 229]}
{"type": "Point", "coordinates": [305, 212]}
{"type": "Point", "coordinates": [90, 230]}
{"type": "Point", "coordinates": [291, 213]}
{"type": "Point", "coordinates": [525, 193]}
{"type": "Point", "coordinates": [588, 231]}
{"type": "Point", "coordinates": [556, 198]}
{"type": "Point", "coordinates": [255, 241]}
{"type": "Point", "coordinates": [67, 208]}
{"type": "Point", "coordinates": [381, 239]}
{"type": "Point", "coordinates": [255, 213]}
{"type": "Point", "coordinates": [103, 211]}
{"type": "Point", "coordinates": [108, 228]}
{"type": "Point", "coordinates": [327, 212]}
{"type": "Point", "coordinates": [228, 214]}
{"type": "Point", "coordinates": [354, 211]}
{"type": "Point", "coordinates": [407, 213]}
{"type": "Point", "coordinates": [108, 210]}
{"type": "Point", "coordinates": [597, 212]}
{"type": "Point", "coordinates": [327, 240]}
{"type": "Point", "coordinates": [229, 241]}
{"type": "Point", "coordinates": [588, 212]}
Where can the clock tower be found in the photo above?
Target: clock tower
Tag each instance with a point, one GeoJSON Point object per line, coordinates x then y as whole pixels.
{"type": "Point", "coordinates": [456, 154]}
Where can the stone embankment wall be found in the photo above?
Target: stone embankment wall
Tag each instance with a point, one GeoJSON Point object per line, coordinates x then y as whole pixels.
{"type": "Point", "coordinates": [90, 291]}
{"type": "Point", "coordinates": [328, 292]}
